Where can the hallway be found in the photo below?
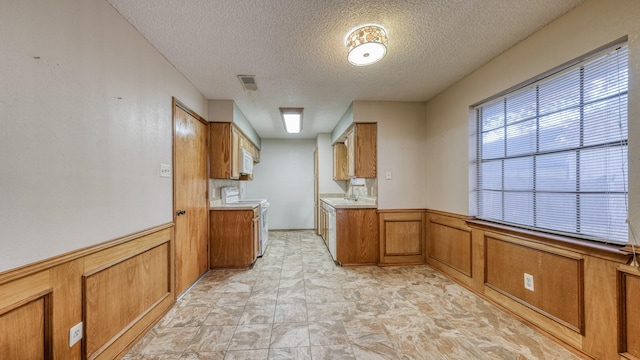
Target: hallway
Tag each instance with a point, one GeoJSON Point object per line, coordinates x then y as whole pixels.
{"type": "Point", "coordinates": [296, 304]}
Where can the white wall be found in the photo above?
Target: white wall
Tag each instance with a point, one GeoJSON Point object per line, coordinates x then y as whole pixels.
{"type": "Point", "coordinates": [86, 122]}
{"type": "Point", "coordinates": [582, 30]}
{"type": "Point", "coordinates": [401, 149]}
{"type": "Point", "coordinates": [326, 184]}
{"type": "Point", "coordinates": [285, 177]}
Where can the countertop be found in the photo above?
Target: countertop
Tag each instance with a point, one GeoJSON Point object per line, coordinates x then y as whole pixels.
{"type": "Point", "coordinates": [240, 206]}
{"type": "Point", "coordinates": [342, 203]}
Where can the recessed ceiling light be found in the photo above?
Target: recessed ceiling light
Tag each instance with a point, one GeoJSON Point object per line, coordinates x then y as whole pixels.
{"type": "Point", "coordinates": [366, 45]}
{"type": "Point", "coordinates": [292, 118]}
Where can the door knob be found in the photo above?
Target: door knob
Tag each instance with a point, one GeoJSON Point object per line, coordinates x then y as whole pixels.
{"type": "Point", "coordinates": [180, 212]}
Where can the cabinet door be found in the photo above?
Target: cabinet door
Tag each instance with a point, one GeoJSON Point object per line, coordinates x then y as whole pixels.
{"type": "Point", "coordinates": [220, 153]}
{"type": "Point", "coordinates": [256, 236]}
{"type": "Point", "coordinates": [340, 162]}
{"type": "Point", "coordinates": [235, 154]}
{"type": "Point", "coordinates": [365, 150]}
{"type": "Point", "coordinates": [351, 153]}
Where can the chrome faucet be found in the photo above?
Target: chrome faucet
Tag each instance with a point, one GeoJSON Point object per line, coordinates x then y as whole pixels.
{"type": "Point", "coordinates": [352, 197]}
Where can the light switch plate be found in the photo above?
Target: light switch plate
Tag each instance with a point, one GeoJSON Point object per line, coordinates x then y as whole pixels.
{"type": "Point", "coordinates": [387, 175]}
{"type": "Point", "coordinates": [165, 170]}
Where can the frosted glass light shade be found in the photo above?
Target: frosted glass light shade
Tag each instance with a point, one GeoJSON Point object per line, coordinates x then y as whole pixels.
{"type": "Point", "coordinates": [366, 45]}
{"type": "Point", "coordinates": [292, 119]}
{"type": "Point", "coordinates": [292, 123]}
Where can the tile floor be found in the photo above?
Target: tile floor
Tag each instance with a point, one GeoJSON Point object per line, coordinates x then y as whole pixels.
{"type": "Point", "coordinates": [297, 304]}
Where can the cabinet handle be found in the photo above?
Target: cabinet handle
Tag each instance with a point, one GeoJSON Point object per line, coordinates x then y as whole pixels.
{"type": "Point", "coordinates": [180, 212]}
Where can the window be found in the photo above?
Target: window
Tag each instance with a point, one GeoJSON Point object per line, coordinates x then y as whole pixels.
{"type": "Point", "coordinates": [552, 155]}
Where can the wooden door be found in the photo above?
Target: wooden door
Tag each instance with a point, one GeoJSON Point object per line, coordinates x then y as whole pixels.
{"type": "Point", "coordinates": [191, 203]}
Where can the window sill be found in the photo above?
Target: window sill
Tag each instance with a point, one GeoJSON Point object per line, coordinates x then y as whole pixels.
{"type": "Point", "coordinates": [610, 252]}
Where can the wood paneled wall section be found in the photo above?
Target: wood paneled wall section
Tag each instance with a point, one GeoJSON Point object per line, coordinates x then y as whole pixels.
{"type": "Point", "coordinates": [357, 237]}
{"type": "Point", "coordinates": [581, 289]}
{"type": "Point", "coordinates": [128, 286]}
{"type": "Point", "coordinates": [557, 279]}
{"type": "Point", "coordinates": [25, 331]}
{"type": "Point", "coordinates": [629, 285]}
{"type": "Point", "coordinates": [449, 244]}
{"type": "Point", "coordinates": [401, 236]}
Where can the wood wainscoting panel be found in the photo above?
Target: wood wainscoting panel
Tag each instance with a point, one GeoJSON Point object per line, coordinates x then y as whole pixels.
{"type": "Point", "coordinates": [629, 294]}
{"type": "Point", "coordinates": [450, 245]}
{"type": "Point", "coordinates": [557, 280]}
{"type": "Point", "coordinates": [118, 295]}
{"type": "Point", "coordinates": [67, 306]}
{"type": "Point", "coordinates": [40, 302]}
{"type": "Point", "coordinates": [401, 237]}
{"type": "Point", "coordinates": [25, 331]}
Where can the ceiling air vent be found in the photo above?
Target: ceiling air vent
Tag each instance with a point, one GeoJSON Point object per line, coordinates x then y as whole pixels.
{"type": "Point", "coordinates": [248, 82]}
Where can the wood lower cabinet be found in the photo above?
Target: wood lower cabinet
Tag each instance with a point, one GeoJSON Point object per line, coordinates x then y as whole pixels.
{"type": "Point", "coordinates": [234, 238]}
{"type": "Point", "coordinates": [402, 237]}
{"type": "Point", "coordinates": [323, 223]}
{"type": "Point", "coordinates": [357, 241]}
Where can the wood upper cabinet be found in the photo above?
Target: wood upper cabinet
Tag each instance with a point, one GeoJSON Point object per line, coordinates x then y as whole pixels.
{"type": "Point", "coordinates": [362, 150]}
{"type": "Point", "coordinates": [234, 238]}
{"type": "Point", "coordinates": [340, 162]}
{"type": "Point", "coordinates": [225, 151]}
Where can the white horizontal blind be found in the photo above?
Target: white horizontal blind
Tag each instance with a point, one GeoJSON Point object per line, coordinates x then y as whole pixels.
{"type": "Point", "coordinates": [553, 156]}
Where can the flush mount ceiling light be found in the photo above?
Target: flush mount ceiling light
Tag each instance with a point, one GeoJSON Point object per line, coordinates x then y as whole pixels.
{"type": "Point", "coordinates": [292, 118]}
{"type": "Point", "coordinates": [366, 45]}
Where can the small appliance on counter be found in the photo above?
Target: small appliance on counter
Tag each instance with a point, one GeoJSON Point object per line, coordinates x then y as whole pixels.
{"type": "Point", "coordinates": [231, 195]}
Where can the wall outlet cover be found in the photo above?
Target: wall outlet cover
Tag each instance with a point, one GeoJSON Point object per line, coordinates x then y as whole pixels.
{"type": "Point", "coordinates": [75, 334]}
{"type": "Point", "coordinates": [528, 282]}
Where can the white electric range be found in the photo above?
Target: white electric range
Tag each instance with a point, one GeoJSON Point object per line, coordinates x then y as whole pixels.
{"type": "Point", "coordinates": [231, 195]}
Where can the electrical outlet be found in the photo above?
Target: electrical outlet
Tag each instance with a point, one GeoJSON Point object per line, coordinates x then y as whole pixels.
{"type": "Point", "coordinates": [75, 334]}
{"type": "Point", "coordinates": [528, 281]}
{"type": "Point", "coordinates": [165, 170]}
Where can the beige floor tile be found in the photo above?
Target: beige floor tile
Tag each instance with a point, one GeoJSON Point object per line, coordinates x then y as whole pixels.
{"type": "Point", "coordinates": [211, 339]}
{"type": "Point", "coordinates": [258, 314]}
{"type": "Point", "coordinates": [260, 354]}
{"type": "Point", "coordinates": [251, 337]}
{"type": "Point", "coordinates": [291, 312]}
{"type": "Point", "coordinates": [285, 335]}
{"type": "Point", "coordinates": [328, 333]}
{"type": "Point", "coordinates": [294, 353]}
{"type": "Point", "coordinates": [342, 352]}
{"type": "Point", "coordinates": [201, 355]}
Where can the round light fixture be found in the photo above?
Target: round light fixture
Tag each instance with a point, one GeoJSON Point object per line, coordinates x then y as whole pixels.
{"type": "Point", "coordinates": [366, 45]}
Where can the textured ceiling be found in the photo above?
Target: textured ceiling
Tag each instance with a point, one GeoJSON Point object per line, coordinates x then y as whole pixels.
{"type": "Point", "coordinates": [295, 48]}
